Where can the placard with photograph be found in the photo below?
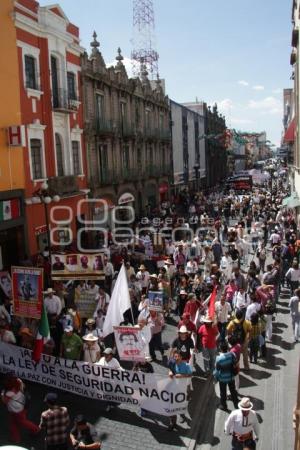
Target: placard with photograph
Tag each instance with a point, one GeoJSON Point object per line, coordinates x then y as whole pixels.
{"type": "Point", "coordinates": [156, 300]}
{"type": "Point", "coordinates": [27, 291]}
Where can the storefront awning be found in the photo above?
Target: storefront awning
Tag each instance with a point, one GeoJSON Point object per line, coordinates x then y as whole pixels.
{"type": "Point", "coordinates": [289, 136]}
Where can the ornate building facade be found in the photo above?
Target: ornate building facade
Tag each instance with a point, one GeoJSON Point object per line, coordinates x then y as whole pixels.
{"type": "Point", "coordinates": [127, 134]}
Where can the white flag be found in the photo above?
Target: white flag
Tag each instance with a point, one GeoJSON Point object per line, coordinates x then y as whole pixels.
{"type": "Point", "coordinates": [119, 303]}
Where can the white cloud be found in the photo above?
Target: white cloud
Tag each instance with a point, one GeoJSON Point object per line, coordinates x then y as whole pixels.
{"type": "Point", "coordinates": [268, 105]}
{"type": "Point", "coordinates": [224, 106]}
{"type": "Point", "coordinates": [241, 121]}
{"type": "Point", "coordinates": [127, 63]}
{"type": "Point", "coordinates": [258, 87]}
{"type": "Point", "coordinates": [243, 83]}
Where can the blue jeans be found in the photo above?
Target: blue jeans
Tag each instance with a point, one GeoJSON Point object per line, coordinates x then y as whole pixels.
{"type": "Point", "coordinates": [209, 356]}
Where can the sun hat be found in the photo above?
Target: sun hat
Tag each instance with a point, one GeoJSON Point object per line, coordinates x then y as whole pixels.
{"type": "Point", "coordinates": [49, 291]}
{"type": "Point", "coordinates": [182, 292]}
{"type": "Point", "coordinates": [245, 404]}
{"type": "Point", "coordinates": [148, 358]}
{"type": "Point", "coordinates": [142, 267]}
{"type": "Point", "coordinates": [183, 329]}
{"type": "Point", "coordinates": [108, 351]}
{"type": "Point", "coordinates": [90, 337]}
{"type": "Point", "coordinates": [68, 329]}
{"type": "Point", "coordinates": [153, 275]}
{"type": "Point", "coordinates": [90, 321]}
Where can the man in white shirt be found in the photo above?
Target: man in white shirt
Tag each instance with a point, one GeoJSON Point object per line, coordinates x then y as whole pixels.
{"type": "Point", "coordinates": [108, 271]}
{"type": "Point", "coordinates": [275, 237]}
{"type": "Point", "coordinates": [240, 300]}
{"type": "Point", "coordinates": [52, 303]}
{"type": "Point", "coordinates": [243, 425]}
{"type": "Point", "coordinates": [108, 360]}
{"type": "Point", "coordinates": [143, 277]}
{"type": "Point", "coordinates": [223, 310]}
{"type": "Point", "coordinates": [254, 307]}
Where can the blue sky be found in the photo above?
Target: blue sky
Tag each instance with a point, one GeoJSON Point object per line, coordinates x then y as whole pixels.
{"type": "Point", "coordinates": [233, 52]}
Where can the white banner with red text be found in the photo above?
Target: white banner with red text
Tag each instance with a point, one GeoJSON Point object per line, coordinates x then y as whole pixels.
{"type": "Point", "coordinates": [153, 392]}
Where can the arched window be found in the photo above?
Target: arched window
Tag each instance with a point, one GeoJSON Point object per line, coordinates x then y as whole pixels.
{"type": "Point", "coordinates": [59, 156]}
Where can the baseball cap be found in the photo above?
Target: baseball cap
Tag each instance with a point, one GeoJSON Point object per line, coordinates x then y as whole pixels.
{"type": "Point", "coordinates": [51, 398]}
{"type": "Point", "coordinates": [108, 351]}
{"type": "Point", "coordinates": [68, 329]}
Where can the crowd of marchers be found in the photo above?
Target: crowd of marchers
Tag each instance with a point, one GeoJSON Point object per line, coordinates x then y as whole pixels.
{"type": "Point", "coordinates": [222, 287]}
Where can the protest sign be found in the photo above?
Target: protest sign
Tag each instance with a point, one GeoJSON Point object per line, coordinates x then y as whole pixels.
{"type": "Point", "coordinates": [5, 283]}
{"type": "Point", "coordinates": [131, 344]}
{"type": "Point", "coordinates": [27, 291]}
{"type": "Point", "coordinates": [86, 303]}
{"type": "Point", "coordinates": [156, 301]}
{"type": "Point", "coordinates": [77, 266]}
{"type": "Point", "coordinates": [153, 392]}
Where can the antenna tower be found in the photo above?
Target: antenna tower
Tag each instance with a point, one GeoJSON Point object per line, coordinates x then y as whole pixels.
{"type": "Point", "coordinates": [143, 41]}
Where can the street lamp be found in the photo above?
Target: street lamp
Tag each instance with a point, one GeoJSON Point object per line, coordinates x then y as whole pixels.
{"type": "Point", "coordinates": [46, 196]}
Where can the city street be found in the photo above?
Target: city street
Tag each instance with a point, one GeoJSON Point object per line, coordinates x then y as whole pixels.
{"type": "Point", "coordinates": [270, 384]}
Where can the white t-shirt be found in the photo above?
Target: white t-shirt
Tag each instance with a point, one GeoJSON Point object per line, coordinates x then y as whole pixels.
{"type": "Point", "coordinates": [53, 305]}
{"type": "Point", "coordinates": [252, 308]}
{"type": "Point", "coordinates": [90, 352]}
{"type": "Point", "coordinates": [16, 402]}
{"type": "Point", "coordinates": [113, 363]}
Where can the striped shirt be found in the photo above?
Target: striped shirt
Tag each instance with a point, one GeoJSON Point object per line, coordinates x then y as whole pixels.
{"type": "Point", "coordinates": [55, 422]}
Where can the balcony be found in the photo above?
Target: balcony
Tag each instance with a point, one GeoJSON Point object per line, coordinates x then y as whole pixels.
{"type": "Point", "coordinates": [128, 129]}
{"type": "Point", "coordinates": [65, 185]}
{"type": "Point", "coordinates": [63, 102]}
{"type": "Point", "coordinates": [106, 127]}
{"type": "Point", "coordinates": [151, 133]}
{"type": "Point", "coordinates": [165, 134]}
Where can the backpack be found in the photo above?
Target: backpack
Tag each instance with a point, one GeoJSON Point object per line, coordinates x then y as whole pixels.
{"type": "Point", "coordinates": [239, 332]}
{"type": "Point", "coordinates": [270, 307]}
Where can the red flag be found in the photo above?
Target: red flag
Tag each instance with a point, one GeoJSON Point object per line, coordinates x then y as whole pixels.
{"type": "Point", "coordinates": [212, 301]}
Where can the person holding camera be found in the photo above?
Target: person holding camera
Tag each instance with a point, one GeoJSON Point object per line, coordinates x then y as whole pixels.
{"type": "Point", "coordinates": [83, 436]}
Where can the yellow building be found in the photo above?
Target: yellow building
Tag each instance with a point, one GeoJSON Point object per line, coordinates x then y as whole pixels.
{"type": "Point", "coordinates": [11, 157]}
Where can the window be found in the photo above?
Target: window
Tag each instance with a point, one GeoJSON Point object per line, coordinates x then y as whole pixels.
{"type": "Point", "coordinates": [71, 86]}
{"type": "Point", "coordinates": [99, 107]}
{"type": "Point", "coordinates": [36, 159]}
{"type": "Point", "coordinates": [126, 162]}
{"type": "Point", "coordinates": [103, 163]}
{"type": "Point", "coordinates": [59, 156]}
{"type": "Point", "coordinates": [123, 111]}
{"type": "Point", "coordinates": [30, 72]}
{"type": "Point", "coordinates": [76, 158]}
{"type": "Point", "coordinates": [54, 79]}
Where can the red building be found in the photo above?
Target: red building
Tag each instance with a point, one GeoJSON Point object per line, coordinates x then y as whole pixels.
{"type": "Point", "coordinates": [51, 110]}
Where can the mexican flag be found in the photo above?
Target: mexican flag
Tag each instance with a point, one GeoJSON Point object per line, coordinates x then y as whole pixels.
{"type": "Point", "coordinates": [42, 336]}
{"type": "Point", "coordinates": [9, 209]}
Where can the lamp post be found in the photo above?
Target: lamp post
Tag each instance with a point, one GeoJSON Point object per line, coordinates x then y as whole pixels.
{"type": "Point", "coordinates": [45, 196]}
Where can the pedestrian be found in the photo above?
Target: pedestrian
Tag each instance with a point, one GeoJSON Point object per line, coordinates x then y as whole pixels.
{"type": "Point", "coordinates": [91, 348]}
{"type": "Point", "coordinates": [145, 367]}
{"type": "Point", "coordinates": [294, 306]}
{"type": "Point", "coordinates": [243, 425]}
{"type": "Point", "coordinates": [13, 396]}
{"type": "Point", "coordinates": [55, 422]}
{"type": "Point", "coordinates": [224, 373]}
{"type": "Point", "coordinates": [83, 435]}
{"type": "Point", "coordinates": [208, 333]}
{"type": "Point", "coordinates": [156, 323]}
{"type": "Point", "coordinates": [71, 345]}
{"type": "Point", "coordinates": [240, 328]}
{"type": "Point", "coordinates": [178, 369]}
{"type": "Point", "coordinates": [183, 344]}
{"type": "Point", "coordinates": [254, 335]}
{"type": "Point", "coordinates": [107, 360]}
{"type": "Point", "coordinates": [223, 311]}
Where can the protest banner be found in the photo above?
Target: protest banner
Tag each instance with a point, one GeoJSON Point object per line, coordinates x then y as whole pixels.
{"type": "Point", "coordinates": [27, 291]}
{"type": "Point", "coordinates": [153, 392]}
{"type": "Point", "coordinates": [156, 301]}
{"type": "Point", "coordinates": [131, 344]}
{"type": "Point", "coordinates": [86, 303]}
{"type": "Point", "coordinates": [5, 283]}
{"type": "Point", "coordinates": [77, 266]}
